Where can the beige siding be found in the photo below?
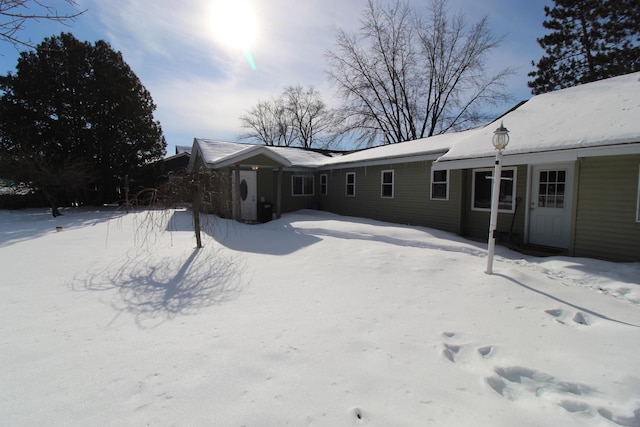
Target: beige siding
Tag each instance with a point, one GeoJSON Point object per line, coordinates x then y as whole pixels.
{"type": "Point", "coordinates": [477, 222]}
{"type": "Point", "coordinates": [411, 203]}
{"type": "Point", "coordinates": [606, 224]}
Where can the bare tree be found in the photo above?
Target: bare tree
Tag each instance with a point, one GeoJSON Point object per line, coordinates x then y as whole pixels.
{"type": "Point", "coordinates": [298, 117]}
{"type": "Point", "coordinates": [312, 121]}
{"type": "Point", "coordinates": [269, 123]}
{"type": "Point", "coordinates": [404, 77]}
{"type": "Point", "coordinates": [14, 14]}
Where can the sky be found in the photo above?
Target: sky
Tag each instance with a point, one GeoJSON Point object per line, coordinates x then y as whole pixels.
{"type": "Point", "coordinates": [117, 320]}
{"type": "Point", "coordinates": [196, 66]}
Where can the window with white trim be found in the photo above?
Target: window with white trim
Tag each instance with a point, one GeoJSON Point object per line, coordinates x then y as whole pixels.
{"type": "Point", "coordinates": [324, 186]}
{"type": "Point", "coordinates": [302, 185]}
{"type": "Point", "coordinates": [638, 206]}
{"type": "Point", "coordinates": [350, 182]}
{"type": "Point", "coordinates": [386, 184]}
{"type": "Point", "coordinates": [483, 185]}
{"type": "Point", "coordinates": [440, 185]}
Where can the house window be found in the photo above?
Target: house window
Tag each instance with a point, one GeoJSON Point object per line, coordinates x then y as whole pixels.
{"type": "Point", "coordinates": [638, 207]}
{"type": "Point", "coordinates": [386, 189]}
{"type": "Point", "coordinates": [302, 185]}
{"type": "Point", "coordinates": [483, 184]}
{"type": "Point", "coordinates": [351, 184]}
{"type": "Point", "coordinates": [324, 189]}
{"type": "Point", "coordinates": [440, 185]}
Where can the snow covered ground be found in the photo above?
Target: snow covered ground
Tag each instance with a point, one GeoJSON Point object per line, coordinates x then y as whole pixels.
{"type": "Point", "coordinates": [310, 320]}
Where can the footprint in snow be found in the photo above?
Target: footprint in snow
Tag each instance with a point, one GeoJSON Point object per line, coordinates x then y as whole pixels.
{"type": "Point", "coordinates": [486, 351]}
{"type": "Point", "coordinates": [450, 351]}
{"type": "Point", "coordinates": [514, 382]}
{"type": "Point", "coordinates": [578, 318]}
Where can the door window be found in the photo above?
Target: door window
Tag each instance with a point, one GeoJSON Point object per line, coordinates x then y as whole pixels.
{"type": "Point", "coordinates": [244, 189]}
{"type": "Point", "coordinates": [551, 188]}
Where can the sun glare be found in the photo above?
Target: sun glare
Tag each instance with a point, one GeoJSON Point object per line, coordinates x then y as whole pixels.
{"type": "Point", "coordinates": [234, 25]}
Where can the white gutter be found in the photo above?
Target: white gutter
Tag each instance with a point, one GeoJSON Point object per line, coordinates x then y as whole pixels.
{"type": "Point", "coordinates": [543, 157]}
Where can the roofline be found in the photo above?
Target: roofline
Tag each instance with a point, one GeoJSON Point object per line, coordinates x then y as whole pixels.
{"type": "Point", "coordinates": [175, 156]}
{"type": "Point", "coordinates": [540, 157]}
{"type": "Point", "coordinates": [385, 160]}
{"type": "Point", "coordinates": [247, 153]}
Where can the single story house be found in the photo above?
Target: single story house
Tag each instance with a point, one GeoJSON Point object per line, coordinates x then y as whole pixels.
{"type": "Point", "coordinates": [570, 177]}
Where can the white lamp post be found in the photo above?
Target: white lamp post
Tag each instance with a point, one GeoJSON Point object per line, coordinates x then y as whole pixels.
{"type": "Point", "coordinates": [500, 141]}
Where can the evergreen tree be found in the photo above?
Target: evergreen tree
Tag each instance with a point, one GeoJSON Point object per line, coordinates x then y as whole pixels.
{"type": "Point", "coordinates": [589, 40]}
{"type": "Point", "coordinates": [75, 116]}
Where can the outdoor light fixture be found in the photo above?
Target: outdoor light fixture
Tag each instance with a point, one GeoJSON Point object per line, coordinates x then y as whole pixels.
{"type": "Point", "coordinates": [500, 141]}
{"type": "Point", "coordinates": [500, 138]}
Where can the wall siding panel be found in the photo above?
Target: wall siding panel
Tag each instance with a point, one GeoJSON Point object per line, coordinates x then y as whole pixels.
{"type": "Point", "coordinates": [606, 224]}
{"type": "Point", "coordinates": [411, 203]}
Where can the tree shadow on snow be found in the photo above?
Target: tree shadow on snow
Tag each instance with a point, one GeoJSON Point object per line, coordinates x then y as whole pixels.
{"type": "Point", "coordinates": [157, 289]}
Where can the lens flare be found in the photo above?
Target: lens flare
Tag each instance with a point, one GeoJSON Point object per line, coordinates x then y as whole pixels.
{"type": "Point", "coordinates": [234, 26]}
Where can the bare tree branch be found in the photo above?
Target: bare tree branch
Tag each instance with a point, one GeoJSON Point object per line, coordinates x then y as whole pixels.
{"type": "Point", "coordinates": [298, 117]}
{"type": "Point", "coordinates": [403, 77]}
{"type": "Point", "coordinates": [15, 14]}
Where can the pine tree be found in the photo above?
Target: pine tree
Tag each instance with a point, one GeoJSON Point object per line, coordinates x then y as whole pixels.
{"type": "Point", "coordinates": [589, 40]}
{"type": "Point", "coordinates": [74, 116]}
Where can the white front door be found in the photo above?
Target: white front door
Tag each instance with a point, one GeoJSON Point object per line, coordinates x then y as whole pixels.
{"type": "Point", "coordinates": [550, 210]}
{"type": "Point", "coordinates": [248, 195]}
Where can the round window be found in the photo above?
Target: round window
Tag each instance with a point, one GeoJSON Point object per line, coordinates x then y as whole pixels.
{"type": "Point", "coordinates": [244, 190]}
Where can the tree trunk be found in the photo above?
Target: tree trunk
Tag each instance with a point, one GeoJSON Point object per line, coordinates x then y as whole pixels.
{"type": "Point", "coordinates": [195, 206]}
{"type": "Point", "coordinates": [54, 205]}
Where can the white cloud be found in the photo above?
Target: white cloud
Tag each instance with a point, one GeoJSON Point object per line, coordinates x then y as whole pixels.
{"type": "Point", "coordinates": [201, 86]}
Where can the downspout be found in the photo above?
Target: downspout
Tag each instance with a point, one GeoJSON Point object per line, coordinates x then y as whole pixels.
{"type": "Point", "coordinates": [279, 195]}
{"type": "Point", "coordinates": [236, 190]}
{"type": "Point", "coordinates": [527, 203]}
{"type": "Point", "coordinates": [574, 207]}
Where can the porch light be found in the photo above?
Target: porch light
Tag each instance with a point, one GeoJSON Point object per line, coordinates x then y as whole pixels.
{"type": "Point", "coordinates": [499, 141]}
{"type": "Point", "coordinates": [500, 138]}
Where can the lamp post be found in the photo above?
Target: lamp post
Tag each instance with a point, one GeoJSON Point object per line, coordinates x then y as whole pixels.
{"type": "Point", "coordinates": [499, 141]}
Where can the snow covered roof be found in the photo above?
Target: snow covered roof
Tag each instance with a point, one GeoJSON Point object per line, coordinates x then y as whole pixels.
{"type": "Point", "coordinates": [183, 149]}
{"type": "Point", "coordinates": [591, 119]}
{"type": "Point", "coordinates": [300, 157]}
{"type": "Point", "coordinates": [424, 148]}
{"type": "Point", "coordinates": [220, 154]}
{"type": "Point", "coordinates": [600, 114]}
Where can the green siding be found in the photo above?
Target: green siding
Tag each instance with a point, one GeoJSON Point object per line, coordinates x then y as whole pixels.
{"type": "Point", "coordinates": [411, 203]}
{"type": "Point", "coordinates": [261, 160]}
{"type": "Point", "coordinates": [476, 223]}
{"type": "Point", "coordinates": [607, 200]}
{"type": "Point", "coordinates": [291, 203]}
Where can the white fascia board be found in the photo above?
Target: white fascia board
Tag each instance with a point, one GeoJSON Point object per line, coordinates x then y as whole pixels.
{"type": "Point", "coordinates": [195, 152]}
{"type": "Point", "coordinates": [251, 152]}
{"type": "Point", "coordinates": [611, 150]}
{"type": "Point", "coordinates": [545, 157]}
{"type": "Point", "coordinates": [381, 161]}
{"type": "Point", "coordinates": [516, 159]}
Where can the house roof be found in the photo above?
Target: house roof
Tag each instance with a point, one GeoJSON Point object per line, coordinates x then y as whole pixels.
{"type": "Point", "coordinates": [218, 154]}
{"type": "Point", "coordinates": [591, 119]}
{"type": "Point", "coordinates": [581, 118]}
{"type": "Point", "coordinates": [425, 148]}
